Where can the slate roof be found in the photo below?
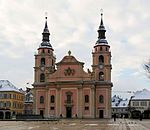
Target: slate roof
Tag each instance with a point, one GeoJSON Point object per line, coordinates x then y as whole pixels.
{"type": "Point", "coordinates": [141, 95]}
{"type": "Point", "coordinates": [119, 102]}
{"type": "Point", "coordinates": [5, 85]}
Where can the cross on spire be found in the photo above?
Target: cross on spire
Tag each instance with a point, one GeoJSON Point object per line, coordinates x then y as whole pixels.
{"type": "Point", "coordinates": [101, 31]}
{"type": "Point", "coordinates": [45, 39]}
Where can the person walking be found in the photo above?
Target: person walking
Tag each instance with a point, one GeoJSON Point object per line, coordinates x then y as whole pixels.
{"type": "Point", "coordinates": [141, 117]}
{"type": "Point", "coordinates": [114, 117]}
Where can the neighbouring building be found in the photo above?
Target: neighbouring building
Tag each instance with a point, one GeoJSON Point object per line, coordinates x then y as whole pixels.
{"type": "Point", "coordinates": [64, 89]}
{"type": "Point", "coordinates": [120, 107]}
{"type": "Point", "coordinates": [11, 100]}
{"type": "Point", "coordinates": [140, 104]}
{"type": "Point", "coordinates": [28, 102]}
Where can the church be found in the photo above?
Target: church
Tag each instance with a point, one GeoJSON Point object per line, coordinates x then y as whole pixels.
{"type": "Point", "coordinates": [64, 90]}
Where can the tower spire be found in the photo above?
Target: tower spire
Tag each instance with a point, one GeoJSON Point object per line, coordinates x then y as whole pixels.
{"type": "Point", "coordinates": [46, 27]}
{"type": "Point", "coordinates": [45, 39]}
{"type": "Point", "coordinates": [101, 32]}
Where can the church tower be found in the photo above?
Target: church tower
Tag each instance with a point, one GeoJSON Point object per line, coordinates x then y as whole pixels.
{"type": "Point", "coordinates": [102, 56]}
{"type": "Point", "coordinates": [45, 59]}
{"type": "Point", "coordinates": [102, 74]}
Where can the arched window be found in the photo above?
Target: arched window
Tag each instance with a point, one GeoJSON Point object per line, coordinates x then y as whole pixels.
{"type": "Point", "coordinates": [48, 51]}
{"type": "Point", "coordinates": [43, 51]}
{"type": "Point", "coordinates": [52, 99]}
{"type": "Point", "coordinates": [101, 99]}
{"type": "Point", "coordinates": [95, 49]}
{"type": "Point", "coordinates": [101, 76]}
{"type": "Point", "coordinates": [86, 98]}
{"type": "Point", "coordinates": [101, 59]}
{"type": "Point", "coordinates": [52, 62]}
{"type": "Point", "coordinates": [42, 77]}
{"type": "Point", "coordinates": [42, 61]}
{"type": "Point", "coordinates": [68, 98]}
{"type": "Point", "coordinates": [41, 99]}
{"type": "Point", "coordinates": [101, 48]}
{"type": "Point", "coordinates": [106, 49]}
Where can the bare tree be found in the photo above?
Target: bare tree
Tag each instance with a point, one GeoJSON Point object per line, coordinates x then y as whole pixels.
{"type": "Point", "coordinates": [147, 68]}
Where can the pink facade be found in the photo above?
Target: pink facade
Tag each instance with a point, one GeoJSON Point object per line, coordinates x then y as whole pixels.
{"type": "Point", "coordinates": [69, 91]}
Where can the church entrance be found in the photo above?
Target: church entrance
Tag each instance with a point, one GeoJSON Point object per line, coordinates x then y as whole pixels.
{"type": "Point", "coordinates": [42, 113]}
{"type": "Point", "coordinates": [101, 114]}
{"type": "Point", "coordinates": [68, 112]}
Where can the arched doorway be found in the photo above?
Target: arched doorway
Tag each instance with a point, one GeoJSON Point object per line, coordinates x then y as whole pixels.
{"type": "Point", "coordinates": [68, 112]}
{"type": "Point", "coordinates": [135, 114]}
{"type": "Point", "coordinates": [101, 114]}
{"type": "Point", "coordinates": [42, 113]}
{"type": "Point", "coordinates": [1, 115]}
{"type": "Point", "coordinates": [7, 115]}
{"type": "Point", "coordinates": [147, 114]}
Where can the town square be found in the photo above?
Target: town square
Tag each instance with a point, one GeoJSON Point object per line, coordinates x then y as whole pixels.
{"type": "Point", "coordinates": [74, 124]}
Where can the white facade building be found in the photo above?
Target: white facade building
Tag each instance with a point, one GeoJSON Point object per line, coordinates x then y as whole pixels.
{"type": "Point", "coordinates": [140, 103]}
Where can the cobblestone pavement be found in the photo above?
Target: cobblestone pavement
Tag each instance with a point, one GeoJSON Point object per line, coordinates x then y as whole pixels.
{"type": "Point", "coordinates": [77, 124]}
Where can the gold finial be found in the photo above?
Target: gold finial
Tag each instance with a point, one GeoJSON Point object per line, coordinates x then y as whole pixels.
{"type": "Point", "coordinates": [46, 15]}
{"type": "Point", "coordinates": [101, 11]}
{"type": "Point", "coordinates": [69, 52]}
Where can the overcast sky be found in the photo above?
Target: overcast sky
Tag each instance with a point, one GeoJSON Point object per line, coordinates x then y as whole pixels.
{"type": "Point", "coordinates": [73, 26]}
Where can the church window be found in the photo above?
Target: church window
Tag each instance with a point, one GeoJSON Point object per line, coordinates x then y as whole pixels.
{"type": "Point", "coordinates": [52, 108]}
{"type": "Point", "coordinates": [101, 59]}
{"type": "Point", "coordinates": [101, 76]}
{"type": "Point", "coordinates": [106, 49]}
{"type": "Point", "coordinates": [42, 77]}
{"type": "Point", "coordinates": [52, 62]}
{"type": "Point", "coordinates": [52, 99]}
{"type": "Point", "coordinates": [42, 61]}
{"type": "Point", "coordinates": [86, 98]}
{"type": "Point", "coordinates": [101, 99]}
{"type": "Point", "coordinates": [43, 51]}
{"type": "Point", "coordinates": [68, 98]}
{"type": "Point", "coordinates": [41, 99]}
{"type": "Point", "coordinates": [101, 48]}
{"type": "Point", "coordinates": [48, 51]}
{"type": "Point", "coordinates": [86, 108]}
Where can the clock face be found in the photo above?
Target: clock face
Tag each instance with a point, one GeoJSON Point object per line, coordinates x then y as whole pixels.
{"type": "Point", "coordinates": [101, 66]}
{"type": "Point", "coordinates": [42, 68]}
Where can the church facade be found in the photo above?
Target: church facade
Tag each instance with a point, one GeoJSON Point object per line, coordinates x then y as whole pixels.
{"type": "Point", "coordinates": [64, 89]}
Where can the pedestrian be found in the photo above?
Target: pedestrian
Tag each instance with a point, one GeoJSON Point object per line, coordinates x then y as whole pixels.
{"type": "Point", "coordinates": [60, 115]}
{"type": "Point", "coordinates": [141, 117]}
{"type": "Point", "coordinates": [114, 117]}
